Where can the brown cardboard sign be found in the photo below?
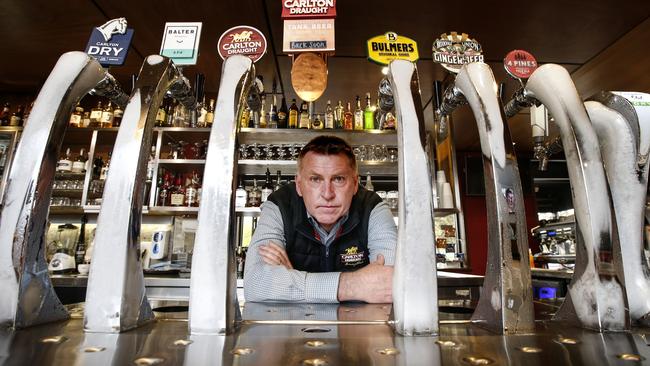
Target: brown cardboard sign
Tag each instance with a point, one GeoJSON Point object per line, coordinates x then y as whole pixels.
{"type": "Point", "coordinates": [308, 35]}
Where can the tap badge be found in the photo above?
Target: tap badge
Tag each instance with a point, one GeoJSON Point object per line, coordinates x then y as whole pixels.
{"type": "Point", "coordinates": [384, 48]}
{"type": "Point", "coordinates": [520, 64]}
{"type": "Point", "coordinates": [109, 43]}
{"type": "Point", "coordinates": [454, 50]}
{"type": "Point", "coordinates": [242, 40]}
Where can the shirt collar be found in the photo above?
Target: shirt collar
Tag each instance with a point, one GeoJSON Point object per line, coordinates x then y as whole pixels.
{"type": "Point", "coordinates": [336, 225]}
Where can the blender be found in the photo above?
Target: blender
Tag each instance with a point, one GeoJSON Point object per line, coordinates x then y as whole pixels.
{"type": "Point", "coordinates": [64, 249]}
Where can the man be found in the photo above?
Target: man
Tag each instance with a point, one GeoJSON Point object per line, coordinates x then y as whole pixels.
{"type": "Point", "coordinates": [322, 239]}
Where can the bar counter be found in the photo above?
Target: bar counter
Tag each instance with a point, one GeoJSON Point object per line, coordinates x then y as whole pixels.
{"type": "Point", "coordinates": [317, 334]}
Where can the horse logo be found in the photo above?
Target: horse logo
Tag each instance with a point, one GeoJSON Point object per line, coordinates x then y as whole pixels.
{"type": "Point", "coordinates": [115, 26]}
{"type": "Point", "coordinates": [243, 36]}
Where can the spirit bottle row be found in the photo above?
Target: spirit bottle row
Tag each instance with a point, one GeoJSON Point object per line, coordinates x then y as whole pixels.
{"type": "Point", "coordinates": [254, 196]}
{"type": "Point", "coordinates": [105, 116]}
{"type": "Point", "coordinates": [371, 117]}
{"type": "Point", "coordinates": [178, 189]}
{"type": "Point", "coordinates": [15, 118]}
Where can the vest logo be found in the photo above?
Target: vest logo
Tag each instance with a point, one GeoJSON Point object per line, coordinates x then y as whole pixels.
{"type": "Point", "coordinates": [352, 257]}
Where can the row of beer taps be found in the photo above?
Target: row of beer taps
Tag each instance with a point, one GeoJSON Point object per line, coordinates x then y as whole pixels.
{"type": "Point", "coordinates": [605, 140]}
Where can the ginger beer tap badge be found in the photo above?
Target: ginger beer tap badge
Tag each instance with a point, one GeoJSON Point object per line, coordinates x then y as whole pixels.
{"type": "Point", "coordinates": [242, 40]}
{"type": "Point", "coordinates": [109, 43]}
{"type": "Point", "coordinates": [454, 50]}
{"type": "Point", "coordinates": [520, 64]}
{"type": "Point", "coordinates": [384, 48]}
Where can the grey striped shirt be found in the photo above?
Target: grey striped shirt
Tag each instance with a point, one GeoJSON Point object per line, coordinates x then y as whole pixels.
{"type": "Point", "coordinates": [265, 282]}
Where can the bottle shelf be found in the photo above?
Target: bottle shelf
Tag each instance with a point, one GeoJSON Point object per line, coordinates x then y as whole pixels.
{"type": "Point", "coordinates": [66, 210]}
{"type": "Point", "coordinates": [302, 136]}
{"type": "Point", "coordinates": [288, 167]}
{"type": "Point", "coordinates": [172, 210]}
{"type": "Point", "coordinates": [182, 129]}
{"type": "Point", "coordinates": [181, 161]}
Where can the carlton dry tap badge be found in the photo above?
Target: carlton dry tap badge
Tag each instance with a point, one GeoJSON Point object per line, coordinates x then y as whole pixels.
{"type": "Point", "coordinates": [390, 46]}
{"type": "Point", "coordinates": [242, 40]}
{"type": "Point", "coordinates": [109, 43]}
{"type": "Point", "coordinates": [454, 50]}
{"type": "Point", "coordinates": [520, 64]}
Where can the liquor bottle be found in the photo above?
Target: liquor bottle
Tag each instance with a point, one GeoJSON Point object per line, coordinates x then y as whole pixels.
{"type": "Point", "coordinates": [104, 173]}
{"type": "Point", "coordinates": [278, 181]}
{"type": "Point", "coordinates": [378, 115]}
{"type": "Point", "coordinates": [79, 164]}
{"type": "Point", "coordinates": [368, 115]}
{"type": "Point", "coordinates": [80, 251]}
{"type": "Point", "coordinates": [329, 116]}
{"type": "Point", "coordinates": [283, 114]}
{"type": "Point", "coordinates": [163, 189]}
{"type": "Point", "coordinates": [107, 116]}
{"type": "Point", "coordinates": [293, 114]}
{"type": "Point", "coordinates": [348, 118]}
{"type": "Point", "coordinates": [304, 116]}
{"type": "Point", "coordinates": [209, 116]}
{"type": "Point", "coordinates": [339, 115]}
{"type": "Point", "coordinates": [98, 164]}
{"type": "Point", "coordinates": [180, 116]}
{"type": "Point", "coordinates": [358, 115]}
{"type": "Point", "coordinates": [317, 123]}
{"type": "Point", "coordinates": [96, 115]}
{"type": "Point", "coordinates": [161, 116]}
{"type": "Point", "coordinates": [4, 115]}
{"type": "Point", "coordinates": [241, 262]}
{"type": "Point", "coordinates": [389, 121]}
{"type": "Point", "coordinates": [17, 117]}
{"type": "Point", "coordinates": [241, 195]}
{"type": "Point", "coordinates": [369, 185]}
{"type": "Point", "coordinates": [243, 119]}
{"type": "Point", "coordinates": [76, 116]}
{"type": "Point", "coordinates": [85, 121]}
{"type": "Point", "coordinates": [255, 195]}
{"type": "Point", "coordinates": [267, 189]}
{"type": "Point", "coordinates": [273, 114]}
{"type": "Point", "coordinates": [202, 112]}
{"type": "Point", "coordinates": [169, 114]}
{"type": "Point", "coordinates": [118, 113]}
{"type": "Point", "coordinates": [192, 191]}
{"type": "Point", "coordinates": [177, 196]}
{"type": "Point", "coordinates": [263, 115]}
{"type": "Point", "coordinates": [64, 164]}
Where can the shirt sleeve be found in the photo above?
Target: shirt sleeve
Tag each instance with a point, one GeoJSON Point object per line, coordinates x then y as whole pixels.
{"type": "Point", "coordinates": [382, 234]}
{"type": "Point", "coordinates": [266, 282]}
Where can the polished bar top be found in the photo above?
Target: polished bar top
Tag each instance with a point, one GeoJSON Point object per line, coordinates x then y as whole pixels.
{"type": "Point", "coordinates": [551, 273]}
{"type": "Point", "coordinates": [445, 279]}
{"type": "Point", "coordinates": [317, 334]}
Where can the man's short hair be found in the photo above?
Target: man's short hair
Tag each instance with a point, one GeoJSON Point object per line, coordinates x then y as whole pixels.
{"type": "Point", "coordinates": [328, 145]}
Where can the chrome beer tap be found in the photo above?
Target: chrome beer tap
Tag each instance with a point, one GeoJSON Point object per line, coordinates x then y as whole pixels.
{"type": "Point", "coordinates": [214, 308]}
{"type": "Point", "coordinates": [415, 292]}
{"type": "Point", "coordinates": [596, 298]}
{"type": "Point", "coordinates": [29, 297]}
{"type": "Point", "coordinates": [506, 302]}
{"type": "Point", "coordinates": [116, 299]}
{"type": "Point", "coordinates": [622, 123]}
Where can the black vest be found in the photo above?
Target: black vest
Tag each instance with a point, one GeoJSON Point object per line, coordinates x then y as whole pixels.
{"type": "Point", "coordinates": [348, 252]}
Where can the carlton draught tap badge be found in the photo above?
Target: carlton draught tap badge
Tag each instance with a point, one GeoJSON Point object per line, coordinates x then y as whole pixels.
{"type": "Point", "coordinates": [308, 8]}
{"type": "Point", "coordinates": [454, 50]}
{"type": "Point", "coordinates": [387, 47]}
{"type": "Point", "coordinates": [242, 40]}
{"type": "Point", "coordinates": [109, 43]}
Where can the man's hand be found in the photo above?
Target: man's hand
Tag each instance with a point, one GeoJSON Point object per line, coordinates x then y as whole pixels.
{"type": "Point", "coordinates": [274, 254]}
{"type": "Point", "coordinates": [372, 283]}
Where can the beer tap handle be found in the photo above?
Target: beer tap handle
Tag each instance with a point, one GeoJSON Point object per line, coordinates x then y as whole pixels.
{"type": "Point", "coordinates": [452, 99]}
{"type": "Point", "coordinates": [110, 88]}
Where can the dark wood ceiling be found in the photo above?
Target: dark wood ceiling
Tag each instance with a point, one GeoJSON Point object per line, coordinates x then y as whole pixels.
{"type": "Point", "coordinates": [602, 42]}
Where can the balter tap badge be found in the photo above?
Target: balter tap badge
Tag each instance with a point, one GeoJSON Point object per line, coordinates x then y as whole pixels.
{"type": "Point", "coordinates": [454, 50]}
{"type": "Point", "coordinates": [309, 76]}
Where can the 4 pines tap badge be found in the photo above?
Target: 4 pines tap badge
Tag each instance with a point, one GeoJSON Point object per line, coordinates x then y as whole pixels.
{"type": "Point", "coordinates": [454, 50]}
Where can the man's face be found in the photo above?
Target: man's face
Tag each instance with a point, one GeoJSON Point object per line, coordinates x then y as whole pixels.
{"type": "Point", "coordinates": [326, 183]}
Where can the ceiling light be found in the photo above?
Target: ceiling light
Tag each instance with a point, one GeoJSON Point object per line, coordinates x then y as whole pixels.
{"type": "Point", "coordinates": [384, 70]}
